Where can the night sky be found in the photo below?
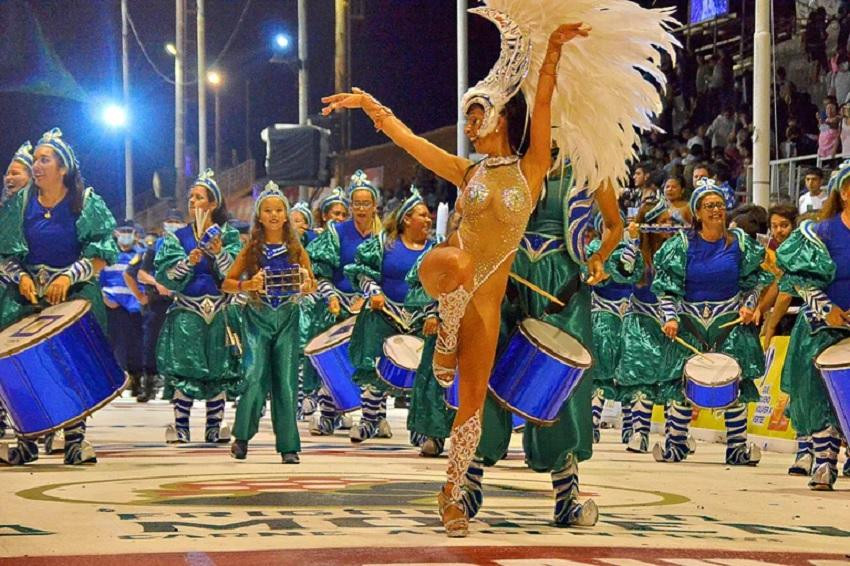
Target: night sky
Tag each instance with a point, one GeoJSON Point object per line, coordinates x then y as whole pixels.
{"type": "Point", "coordinates": [403, 52]}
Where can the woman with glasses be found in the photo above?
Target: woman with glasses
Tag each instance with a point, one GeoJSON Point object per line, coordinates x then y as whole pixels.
{"type": "Point", "coordinates": [708, 282]}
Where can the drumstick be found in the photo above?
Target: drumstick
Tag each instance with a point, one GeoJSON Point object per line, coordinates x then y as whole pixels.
{"type": "Point", "coordinates": [731, 323]}
{"type": "Point", "coordinates": [537, 289]}
{"type": "Point", "coordinates": [390, 314]}
{"type": "Point", "coordinates": [689, 347]}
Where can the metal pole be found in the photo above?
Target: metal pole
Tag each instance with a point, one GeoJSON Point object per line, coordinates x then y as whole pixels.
{"type": "Point", "coordinates": [341, 71]}
{"type": "Point", "coordinates": [462, 75]}
{"type": "Point", "coordinates": [202, 91]}
{"type": "Point", "coordinates": [248, 120]}
{"type": "Point", "coordinates": [761, 104]}
{"type": "Point", "coordinates": [179, 104]}
{"type": "Point", "coordinates": [218, 128]}
{"type": "Point", "coordinates": [303, 85]}
{"type": "Point", "coordinates": [128, 142]}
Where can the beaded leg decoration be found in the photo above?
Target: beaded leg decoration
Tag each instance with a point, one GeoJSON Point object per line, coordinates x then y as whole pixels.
{"type": "Point", "coordinates": [464, 443]}
{"type": "Point", "coordinates": [568, 511]}
{"type": "Point", "coordinates": [451, 308]}
{"type": "Point", "coordinates": [826, 446]}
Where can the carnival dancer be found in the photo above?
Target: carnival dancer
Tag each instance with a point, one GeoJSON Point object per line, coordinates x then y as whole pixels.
{"type": "Point", "coordinates": [708, 282]}
{"type": "Point", "coordinates": [329, 253]}
{"type": "Point", "coordinates": [648, 369]}
{"type": "Point", "coordinates": [469, 274]}
{"type": "Point", "coordinates": [54, 236]}
{"type": "Point", "coordinates": [302, 222]}
{"type": "Point", "coordinates": [380, 270]}
{"type": "Point", "coordinates": [609, 302]}
{"type": "Point", "coordinates": [333, 208]}
{"type": "Point", "coordinates": [278, 271]}
{"type": "Point", "coordinates": [193, 353]}
{"type": "Point", "coordinates": [815, 261]}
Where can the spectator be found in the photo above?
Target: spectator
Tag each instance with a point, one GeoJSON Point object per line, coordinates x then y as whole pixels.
{"type": "Point", "coordinates": [813, 199]}
{"type": "Point", "coordinates": [829, 123]}
{"type": "Point", "coordinates": [721, 127]}
{"type": "Point", "coordinates": [839, 77]}
{"type": "Point", "coordinates": [698, 138]}
{"type": "Point", "coordinates": [643, 189]}
{"type": "Point", "coordinates": [845, 128]}
{"type": "Point", "coordinates": [814, 41]}
{"type": "Point", "coordinates": [674, 192]}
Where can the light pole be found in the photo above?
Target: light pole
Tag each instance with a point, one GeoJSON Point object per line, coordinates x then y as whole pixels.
{"type": "Point", "coordinates": [202, 90]}
{"type": "Point", "coordinates": [215, 79]}
{"type": "Point", "coordinates": [128, 143]}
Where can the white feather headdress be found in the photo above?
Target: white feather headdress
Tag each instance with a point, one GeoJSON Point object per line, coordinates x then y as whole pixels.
{"type": "Point", "coordinates": [602, 98]}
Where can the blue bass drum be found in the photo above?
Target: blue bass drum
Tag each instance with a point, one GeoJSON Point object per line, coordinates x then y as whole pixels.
{"type": "Point", "coordinates": [328, 352]}
{"type": "Point", "coordinates": [56, 368]}
{"type": "Point", "coordinates": [712, 380]}
{"type": "Point", "coordinates": [397, 366]}
{"type": "Point", "coordinates": [834, 366]}
{"type": "Point", "coordinates": [538, 371]}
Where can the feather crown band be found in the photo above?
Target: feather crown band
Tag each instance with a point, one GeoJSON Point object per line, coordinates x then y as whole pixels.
{"type": "Point", "coordinates": [271, 190]}
{"type": "Point", "coordinates": [206, 180]}
{"type": "Point", "coordinates": [705, 187]}
{"type": "Point", "coordinates": [505, 78]}
{"type": "Point", "coordinates": [337, 196]}
{"type": "Point", "coordinates": [409, 204]}
{"type": "Point", "coordinates": [305, 211]}
{"type": "Point", "coordinates": [841, 175]}
{"type": "Point", "coordinates": [53, 139]}
{"type": "Point", "coordinates": [359, 181]}
{"type": "Point", "coordinates": [24, 155]}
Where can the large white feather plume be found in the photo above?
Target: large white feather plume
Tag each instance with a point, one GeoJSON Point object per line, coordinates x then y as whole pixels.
{"type": "Point", "coordinates": [601, 96]}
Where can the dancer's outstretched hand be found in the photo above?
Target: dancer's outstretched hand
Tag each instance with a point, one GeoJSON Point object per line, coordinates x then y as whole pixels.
{"type": "Point", "coordinates": [567, 32]}
{"type": "Point", "coordinates": [353, 99]}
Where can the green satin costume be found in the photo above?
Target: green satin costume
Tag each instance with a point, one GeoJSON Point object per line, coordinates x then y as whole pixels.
{"type": "Point", "coordinates": [742, 341]}
{"type": "Point", "coordinates": [94, 228]}
{"type": "Point", "coordinates": [193, 352]}
{"type": "Point", "coordinates": [543, 259]}
{"type": "Point", "coordinates": [806, 263]}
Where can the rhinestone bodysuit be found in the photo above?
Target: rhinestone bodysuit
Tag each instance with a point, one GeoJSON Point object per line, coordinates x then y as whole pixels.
{"type": "Point", "coordinates": [496, 205]}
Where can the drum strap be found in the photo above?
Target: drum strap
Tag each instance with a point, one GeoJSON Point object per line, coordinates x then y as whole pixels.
{"type": "Point", "coordinates": [688, 323]}
{"type": "Point", "coordinates": [571, 288]}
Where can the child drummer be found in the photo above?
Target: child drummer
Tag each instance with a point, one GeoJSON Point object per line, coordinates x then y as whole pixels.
{"type": "Point", "coordinates": [278, 270]}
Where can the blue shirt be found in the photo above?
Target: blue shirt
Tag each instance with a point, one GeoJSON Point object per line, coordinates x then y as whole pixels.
{"type": "Point", "coordinates": [836, 236]}
{"type": "Point", "coordinates": [51, 241]}
{"type": "Point", "coordinates": [644, 293]}
{"type": "Point", "coordinates": [349, 239]}
{"type": "Point", "coordinates": [614, 291]}
{"type": "Point", "coordinates": [113, 285]}
{"type": "Point", "coordinates": [713, 270]}
{"type": "Point", "coordinates": [398, 261]}
{"type": "Point", "coordinates": [202, 281]}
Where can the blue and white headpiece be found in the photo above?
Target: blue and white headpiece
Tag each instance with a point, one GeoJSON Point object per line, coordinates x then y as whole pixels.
{"type": "Point", "coordinates": [359, 181]}
{"type": "Point", "coordinates": [53, 139]}
{"type": "Point", "coordinates": [305, 211]}
{"type": "Point", "coordinates": [703, 188]}
{"type": "Point", "coordinates": [409, 204]}
{"type": "Point", "coordinates": [337, 196]}
{"type": "Point", "coordinates": [24, 155]}
{"type": "Point", "coordinates": [206, 180]}
{"type": "Point", "coordinates": [842, 174]}
{"type": "Point", "coordinates": [659, 206]}
{"type": "Point", "coordinates": [271, 190]}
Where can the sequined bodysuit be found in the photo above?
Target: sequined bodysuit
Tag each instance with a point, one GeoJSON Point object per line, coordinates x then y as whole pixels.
{"type": "Point", "coordinates": [496, 205]}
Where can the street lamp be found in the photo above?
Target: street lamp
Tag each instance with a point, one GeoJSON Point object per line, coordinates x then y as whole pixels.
{"type": "Point", "coordinates": [281, 41]}
{"type": "Point", "coordinates": [171, 49]}
{"type": "Point", "coordinates": [215, 80]}
{"type": "Point", "coordinates": [114, 116]}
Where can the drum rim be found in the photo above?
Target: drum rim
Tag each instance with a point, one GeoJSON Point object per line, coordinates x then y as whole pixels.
{"type": "Point", "coordinates": [386, 355]}
{"type": "Point", "coordinates": [386, 382]}
{"type": "Point", "coordinates": [533, 420]}
{"type": "Point", "coordinates": [548, 351]}
{"type": "Point", "coordinates": [734, 378]}
{"type": "Point", "coordinates": [329, 345]}
{"type": "Point", "coordinates": [839, 365]}
{"type": "Point", "coordinates": [731, 403]}
{"type": "Point", "coordinates": [62, 326]}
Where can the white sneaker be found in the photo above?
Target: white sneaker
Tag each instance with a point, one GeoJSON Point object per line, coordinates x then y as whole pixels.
{"type": "Point", "coordinates": [224, 434]}
{"type": "Point", "coordinates": [384, 430]}
{"type": "Point", "coordinates": [170, 434]}
{"type": "Point", "coordinates": [589, 514]}
{"type": "Point", "coordinates": [692, 444]}
{"type": "Point", "coordinates": [346, 421]}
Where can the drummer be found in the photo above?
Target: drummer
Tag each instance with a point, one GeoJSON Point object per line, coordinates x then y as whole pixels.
{"type": "Point", "coordinates": [302, 221]}
{"type": "Point", "coordinates": [380, 269]}
{"type": "Point", "coordinates": [55, 236]}
{"type": "Point", "coordinates": [708, 282]}
{"type": "Point", "coordinates": [271, 324]}
{"type": "Point", "coordinates": [549, 260]}
{"type": "Point", "coordinates": [330, 253]}
{"type": "Point", "coordinates": [192, 350]}
{"type": "Point", "coordinates": [815, 261]}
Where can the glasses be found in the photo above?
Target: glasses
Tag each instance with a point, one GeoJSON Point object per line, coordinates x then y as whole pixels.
{"type": "Point", "coordinates": [361, 204]}
{"type": "Point", "coordinates": [714, 206]}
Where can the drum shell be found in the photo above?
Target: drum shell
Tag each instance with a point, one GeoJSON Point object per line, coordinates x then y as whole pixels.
{"type": "Point", "coordinates": [712, 396]}
{"type": "Point", "coordinates": [336, 370]}
{"type": "Point", "coordinates": [394, 374]}
{"type": "Point", "coordinates": [837, 382]}
{"type": "Point", "coordinates": [533, 382]}
{"type": "Point", "coordinates": [60, 380]}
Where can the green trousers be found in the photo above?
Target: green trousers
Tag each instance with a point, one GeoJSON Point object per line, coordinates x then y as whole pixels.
{"type": "Point", "coordinates": [271, 358]}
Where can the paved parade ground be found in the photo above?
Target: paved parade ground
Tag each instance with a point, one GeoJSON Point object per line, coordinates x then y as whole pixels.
{"type": "Point", "coordinates": [146, 502]}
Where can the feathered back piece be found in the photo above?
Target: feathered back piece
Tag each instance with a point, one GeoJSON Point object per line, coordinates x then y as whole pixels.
{"type": "Point", "coordinates": [602, 94]}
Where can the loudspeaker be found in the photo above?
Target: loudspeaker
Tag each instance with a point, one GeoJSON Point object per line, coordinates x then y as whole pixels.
{"type": "Point", "coordinates": [297, 155]}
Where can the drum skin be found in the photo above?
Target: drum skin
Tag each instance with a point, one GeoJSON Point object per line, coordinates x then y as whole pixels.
{"type": "Point", "coordinates": [61, 378]}
{"type": "Point", "coordinates": [328, 352]}
{"type": "Point", "coordinates": [717, 387]}
{"type": "Point", "coordinates": [392, 371]}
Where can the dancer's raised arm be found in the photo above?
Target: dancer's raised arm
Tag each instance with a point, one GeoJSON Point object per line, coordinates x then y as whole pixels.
{"type": "Point", "coordinates": [450, 167]}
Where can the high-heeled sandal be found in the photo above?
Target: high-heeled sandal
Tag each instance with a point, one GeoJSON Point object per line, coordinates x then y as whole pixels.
{"type": "Point", "coordinates": [457, 527]}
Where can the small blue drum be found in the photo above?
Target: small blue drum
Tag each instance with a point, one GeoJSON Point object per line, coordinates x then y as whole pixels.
{"type": "Point", "coordinates": [538, 371]}
{"type": "Point", "coordinates": [834, 366]}
{"type": "Point", "coordinates": [211, 234]}
{"type": "Point", "coordinates": [712, 380]}
{"type": "Point", "coordinates": [397, 366]}
{"type": "Point", "coordinates": [56, 368]}
{"type": "Point", "coordinates": [279, 283]}
{"type": "Point", "coordinates": [328, 353]}
{"type": "Point", "coordinates": [450, 395]}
